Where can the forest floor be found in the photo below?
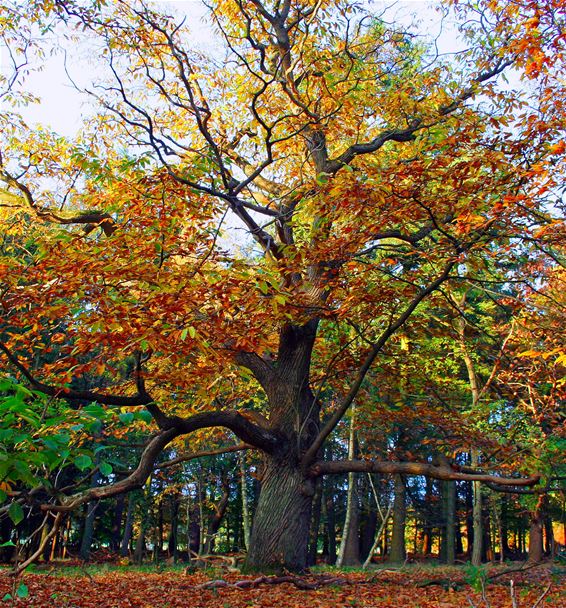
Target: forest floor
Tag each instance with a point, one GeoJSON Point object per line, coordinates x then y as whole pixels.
{"type": "Point", "coordinates": [412, 586]}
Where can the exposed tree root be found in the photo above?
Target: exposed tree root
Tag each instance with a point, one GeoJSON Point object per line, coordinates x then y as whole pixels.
{"type": "Point", "coordinates": [300, 583]}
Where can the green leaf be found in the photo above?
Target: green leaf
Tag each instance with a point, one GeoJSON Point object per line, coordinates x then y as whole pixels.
{"type": "Point", "coordinates": [83, 462]}
{"type": "Point", "coordinates": [3, 497]}
{"type": "Point", "coordinates": [106, 468]}
{"type": "Point", "coordinates": [16, 513]}
{"type": "Point", "coordinates": [7, 597]}
{"type": "Point", "coordinates": [8, 543]}
{"type": "Point", "coordinates": [22, 591]}
{"type": "Point", "coordinates": [126, 417]}
{"type": "Point", "coordinates": [144, 415]}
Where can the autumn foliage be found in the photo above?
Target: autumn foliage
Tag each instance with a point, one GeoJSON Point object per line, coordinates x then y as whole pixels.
{"type": "Point", "coordinates": [248, 243]}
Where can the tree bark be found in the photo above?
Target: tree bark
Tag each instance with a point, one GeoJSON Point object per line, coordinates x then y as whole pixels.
{"type": "Point", "coordinates": [349, 554]}
{"type": "Point", "coordinates": [245, 502]}
{"type": "Point", "coordinates": [127, 536]}
{"type": "Point", "coordinates": [117, 522]}
{"type": "Point", "coordinates": [315, 523]}
{"type": "Point", "coordinates": [477, 547]}
{"type": "Point", "coordinates": [173, 539]}
{"type": "Point", "coordinates": [281, 525]}
{"type": "Point", "coordinates": [397, 551]}
{"type": "Point", "coordinates": [448, 543]}
{"type": "Point", "coordinates": [536, 548]}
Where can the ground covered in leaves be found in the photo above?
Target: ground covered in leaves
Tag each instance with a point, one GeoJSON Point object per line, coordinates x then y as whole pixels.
{"type": "Point", "coordinates": [412, 586]}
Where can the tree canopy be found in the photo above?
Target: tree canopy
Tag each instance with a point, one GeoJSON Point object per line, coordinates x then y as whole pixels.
{"type": "Point", "coordinates": [244, 243]}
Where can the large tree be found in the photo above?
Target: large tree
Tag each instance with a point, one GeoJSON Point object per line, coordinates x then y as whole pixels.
{"type": "Point", "coordinates": [224, 229]}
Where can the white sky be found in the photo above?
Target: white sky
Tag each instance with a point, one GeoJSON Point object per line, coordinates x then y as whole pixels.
{"type": "Point", "coordinates": [62, 108]}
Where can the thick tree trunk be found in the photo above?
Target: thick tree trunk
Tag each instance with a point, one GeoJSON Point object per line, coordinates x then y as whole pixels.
{"type": "Point", "coordinates": [280, 529]}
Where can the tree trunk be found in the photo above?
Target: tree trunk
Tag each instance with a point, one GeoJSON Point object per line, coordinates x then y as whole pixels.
{"type": "Point", "coordinates": [245, 502]}
{"type": "Point", "coordinates": [330, 512]}
{"type": "Point", "coordinates": [315, 523]}
{"type": "Point", "coordinates": [349, 554]}
{"type": "Point", "coordinates": [127, 536]}
{"type": "Point", "coordinates": [448, 544]}
{"type": "Point", "coordinates": [477, 547]}
{"type": "Point", "coordinates": [397, 552]}
{"type": "Point", "coordinates": [173, 539]}
{"type": "Point", "coordinates": [117, 522]}
{"type": "Point", "coordinates": [217, 517]}
{"type": "Point", "coordinates": [536, 549]}
{"type": "Point", "coordinates": [548, 536]}
{"type": "Point", "coordinates": [88, 530]}
{"type": "Point", "coordinates": [280, 529]}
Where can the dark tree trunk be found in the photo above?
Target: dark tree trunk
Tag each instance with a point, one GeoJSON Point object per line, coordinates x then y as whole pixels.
{"type": "Point", "coordinates": [448, 539]}
{"type": "Point", "coordinates": [315, 523]}
{"type": "Point", "coordinates": [173, 539]}
{"type": "Point", "coordinates": [127, 536]}
{"type": "Point", "coordinates": [504, 530]}
{"type": "Point", "coordinates": [88, 531]}
{"type": "Point", "coordinates": [536, 550]}
{"type": "Point", "coordinates": [217, 517]}
{"type": "Point", "coordinates": [397, 550]}
{"type": "Point", "coordinates": [330, 512]}
{"type": "Point", "coordinates": [280, 528]}
{"type": "Point", "coordinates": [115, 534]}
{"type": "Point", "coordinates": [367, 534]}
{"type": "Point", "coordinates": [548, 536]}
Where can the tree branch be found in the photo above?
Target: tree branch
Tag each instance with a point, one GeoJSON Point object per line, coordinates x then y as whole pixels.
{"type": "Point", "coordinates": [419, 468]}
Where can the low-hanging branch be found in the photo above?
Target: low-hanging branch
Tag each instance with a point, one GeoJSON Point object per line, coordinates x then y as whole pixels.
{"type": "Point", "coordinates": [443, 472]}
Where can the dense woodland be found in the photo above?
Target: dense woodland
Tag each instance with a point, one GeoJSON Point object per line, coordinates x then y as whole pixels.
{"type": "Point", "coordinates": [299, 300]}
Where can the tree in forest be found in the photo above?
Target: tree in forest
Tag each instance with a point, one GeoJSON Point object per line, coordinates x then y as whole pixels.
{"type": "Point", "coordinates": [221, 232]}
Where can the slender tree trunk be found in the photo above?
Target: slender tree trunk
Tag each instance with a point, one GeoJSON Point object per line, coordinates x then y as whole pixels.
{"type": "Point", "coordinates": [217, 517]}
{"type": "Point", "coordinates": [128, 526]}
{"type": "Point", "coordinates": [427, 524]}
{"type": "Point", "coordinates": [448, 542]}
{"type": "Point", "coordinates": [477, 547]}
{"type": "Point", "coordinates": [245, 502]}
{"type": "Point", "coordinates": [330, 512]}
{"type": "Point", "coordinates": [382, 527]}
{"type": "Point", "coordinates": [88, 530]}
{"type": "Point", "coordinates": [315, 523]}
{"type": "Point", "coordinates": [548, 536]}
{"type": "Point", "coordinates": [504, 528]}
{"type": "Point", "coordinates": [536, 550]}
{"type": "Point", "coordinates": [173, 539]}
{"type": "Point", "coordinates": [115, 533]}
{"type": "Point", "coordinates": [349, 554]}
{"type": "Point", "coordinates": [397, 551]}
